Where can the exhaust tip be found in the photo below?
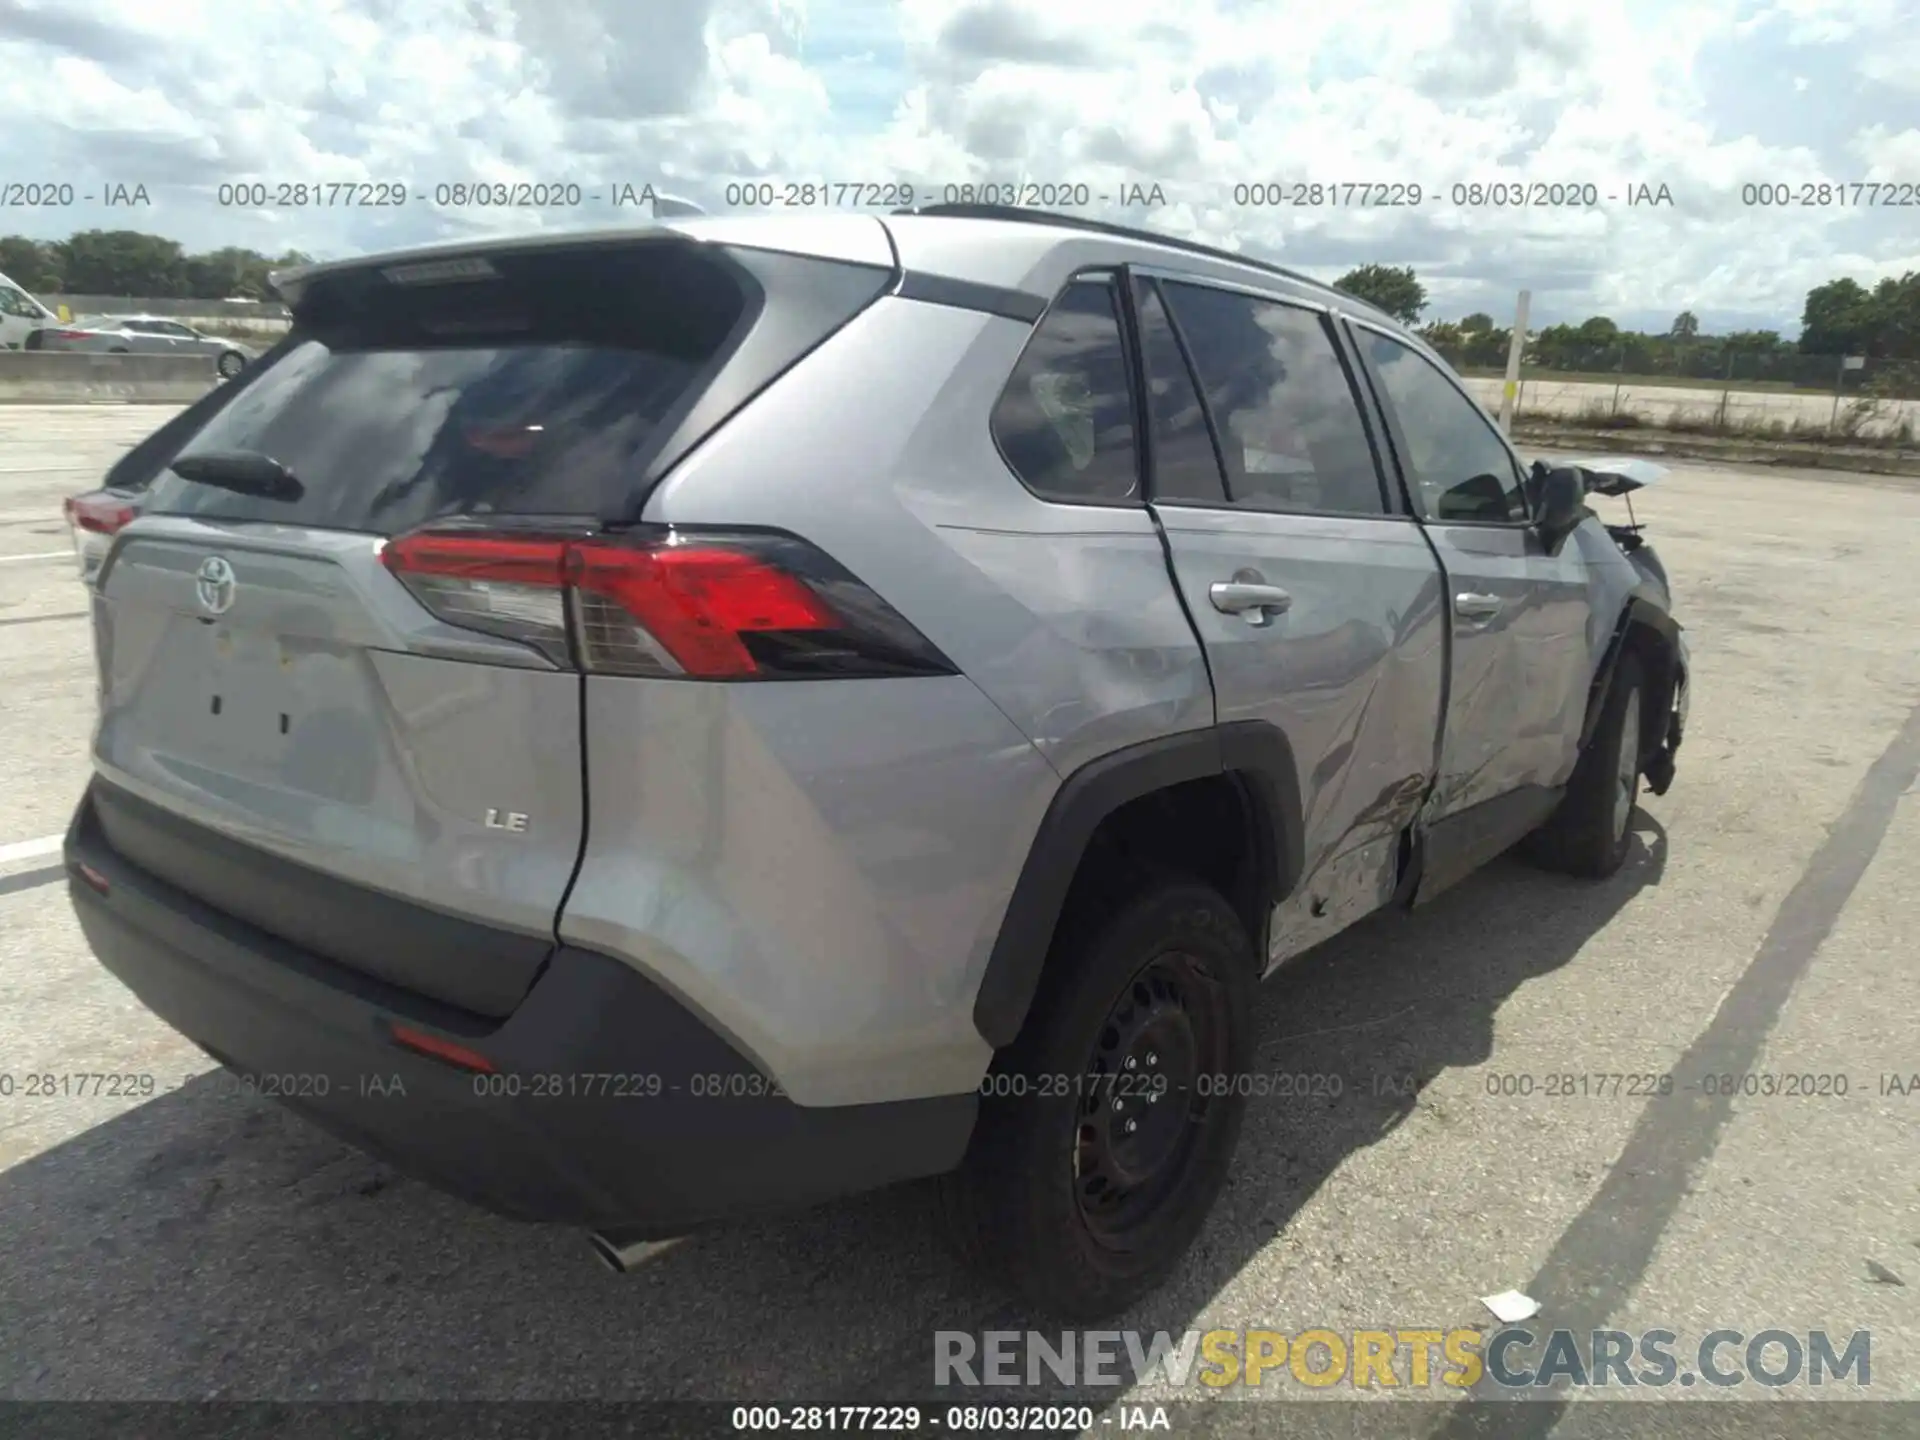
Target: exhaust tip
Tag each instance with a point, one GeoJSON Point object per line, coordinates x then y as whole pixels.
{"type": "Point", "coordinates": [625, 1254]}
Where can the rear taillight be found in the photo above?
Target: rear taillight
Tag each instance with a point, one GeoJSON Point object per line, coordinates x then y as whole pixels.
{"type": "Point", "coordinates": [704, 606]}
{"type": "Point", "coordinates": [94, 519]}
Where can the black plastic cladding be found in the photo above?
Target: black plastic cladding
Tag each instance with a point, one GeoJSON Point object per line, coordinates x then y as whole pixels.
{"type": "Point", "coordinates": [1253, 750]}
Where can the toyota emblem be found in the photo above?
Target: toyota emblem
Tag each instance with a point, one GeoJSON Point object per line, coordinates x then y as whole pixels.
{"type": "Point", "coordinates": [215, 585]}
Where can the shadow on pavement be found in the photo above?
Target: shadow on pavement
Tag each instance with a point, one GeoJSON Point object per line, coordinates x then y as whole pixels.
{"type": "Point", "coordinates": [207, 1244]}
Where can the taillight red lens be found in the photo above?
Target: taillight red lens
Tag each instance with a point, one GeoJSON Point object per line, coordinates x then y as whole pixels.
{"type": "Point", "coordinates": [734, 607]}
{"type": "Point", "coordinates": [700, 603]}
{"type": "Point", "coordinates": [507, 558]}
{"type": "Point", "coordinates": [97, 514]}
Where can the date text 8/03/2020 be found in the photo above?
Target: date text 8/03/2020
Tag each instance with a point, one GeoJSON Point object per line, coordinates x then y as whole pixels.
{"type": "Point", "coordinates": [1007, 1419]}
{"type": "Point", "coordinates": [1330, 194]}
{"type": "Point", "coordinates": [904, 194]}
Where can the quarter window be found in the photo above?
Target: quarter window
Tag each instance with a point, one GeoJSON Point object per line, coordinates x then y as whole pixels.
{"type": "Point", "coordinates": [1290, 431]}
{"type": "Point", "coordinates": [1460, 468]}
{"type": "Point", "coordinates": [1065, 420]}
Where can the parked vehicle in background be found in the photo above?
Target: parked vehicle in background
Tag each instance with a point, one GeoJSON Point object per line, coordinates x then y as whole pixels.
{"type": "Point", "coordinates": [143, 335]}
{"type": "Point", "coordinates": [645, 727]}
{"type": "Point", "coordinates": [20, 316]}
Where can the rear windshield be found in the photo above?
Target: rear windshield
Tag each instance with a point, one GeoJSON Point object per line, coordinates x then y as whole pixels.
{"type": "Point", "coordinates": [551, 386]}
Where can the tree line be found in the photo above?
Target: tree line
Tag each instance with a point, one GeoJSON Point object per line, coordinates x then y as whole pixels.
{"type": "Point", "coordinates": [139, 266]}
{"type": "Point", "coordinates": [1841, 317]}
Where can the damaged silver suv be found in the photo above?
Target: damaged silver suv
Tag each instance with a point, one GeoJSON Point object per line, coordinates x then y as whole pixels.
{"type": "Point", "coordinates": [737, 712]}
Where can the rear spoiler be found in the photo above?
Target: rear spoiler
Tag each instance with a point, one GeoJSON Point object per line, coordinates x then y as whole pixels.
{"type": "Point", "coordinates": [291, 284]}
{"type": "Point", "coordinates": [1616, 474]}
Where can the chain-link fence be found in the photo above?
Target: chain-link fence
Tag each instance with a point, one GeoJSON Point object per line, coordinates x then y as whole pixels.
{"type": "Point", "coordinates": [1681, 386]}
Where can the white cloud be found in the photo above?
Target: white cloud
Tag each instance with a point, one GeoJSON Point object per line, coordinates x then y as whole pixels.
{"type": "Point", "coordinates": [1216, 93]}
{"type": "Point", "coordinates": [1892, 157]}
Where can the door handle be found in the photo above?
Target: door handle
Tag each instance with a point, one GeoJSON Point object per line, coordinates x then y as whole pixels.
{"type": "Point", "coordinates": [1252, 599]}
{"type": "Point", "coordinates": [1476, 607]}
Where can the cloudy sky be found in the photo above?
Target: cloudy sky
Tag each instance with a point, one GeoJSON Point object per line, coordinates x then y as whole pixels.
{"type": "Point", "coordinates": [1198, 97]}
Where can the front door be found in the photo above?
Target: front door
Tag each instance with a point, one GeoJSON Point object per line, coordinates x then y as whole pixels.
{"type": "Point", "coordinates": [1517, 682]}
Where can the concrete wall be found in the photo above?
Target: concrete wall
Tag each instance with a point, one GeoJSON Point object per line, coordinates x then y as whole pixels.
{"type": "Point", "coordinates": [1660, 404]}
{"type": "Point", "coordinates": [78, 305]}
{"type": "Point", "coordinates": [36, 375]}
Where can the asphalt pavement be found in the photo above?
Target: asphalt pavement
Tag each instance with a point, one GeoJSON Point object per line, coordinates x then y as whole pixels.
{"type": "Point", "coordinates": [203, 1243]}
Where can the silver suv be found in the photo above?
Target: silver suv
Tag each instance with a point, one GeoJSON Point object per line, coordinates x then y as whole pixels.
{"type": "Point", "coordinates": [643, 728]}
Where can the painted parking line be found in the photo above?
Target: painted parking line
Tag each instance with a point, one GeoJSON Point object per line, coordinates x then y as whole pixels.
{"type": "Point", "coordinates": [31, 849]}
{"type": "Point", "coordinates": [36, 555]}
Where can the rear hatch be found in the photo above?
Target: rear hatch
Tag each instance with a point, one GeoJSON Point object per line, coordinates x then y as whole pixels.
{"type": "Point", "coordinates": [382, 761]}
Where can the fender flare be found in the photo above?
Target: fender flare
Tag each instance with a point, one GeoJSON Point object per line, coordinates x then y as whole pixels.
{"type": "Point", "coordinates": [1253, 751]}
{"type": "Point", "coordinates": [1639, 613]}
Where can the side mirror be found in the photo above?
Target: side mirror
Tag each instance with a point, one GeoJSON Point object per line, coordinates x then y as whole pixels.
{"type": "Point", "coordinates": [1560, 504]}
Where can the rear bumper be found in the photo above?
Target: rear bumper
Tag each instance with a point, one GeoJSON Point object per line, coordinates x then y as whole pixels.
{"type": "Point", "coordinates": [612, 1105]}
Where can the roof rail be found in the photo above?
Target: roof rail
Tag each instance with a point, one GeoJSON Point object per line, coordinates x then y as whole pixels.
{"type": "Point", "coordinates": [1104, 227]}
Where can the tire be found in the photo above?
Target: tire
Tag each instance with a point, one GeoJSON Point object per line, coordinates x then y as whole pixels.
{"type": "Point", "coordinates": [1041, 1197]}
{"type": "Point", "coordinates": [1591, 831]}
{"type": "Point", "coordinates": [230, 364]}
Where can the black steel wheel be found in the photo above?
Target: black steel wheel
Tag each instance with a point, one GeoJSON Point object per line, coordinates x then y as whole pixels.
{"type": "Point", "coordinates": [1107, 1127]}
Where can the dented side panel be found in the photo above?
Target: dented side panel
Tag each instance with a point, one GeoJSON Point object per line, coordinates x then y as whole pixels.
{"type": "Point", "coordinates": [1352, 673]}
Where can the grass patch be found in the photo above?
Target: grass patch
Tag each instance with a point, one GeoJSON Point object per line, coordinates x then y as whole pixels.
{"type": "Point", "coordinates": [1850, 426]}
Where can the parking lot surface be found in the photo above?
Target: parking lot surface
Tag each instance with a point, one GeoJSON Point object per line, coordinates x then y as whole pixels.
{"type": "Point", "coordinates": [202, 1243]}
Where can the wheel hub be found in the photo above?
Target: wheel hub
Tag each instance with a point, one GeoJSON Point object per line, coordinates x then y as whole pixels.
{"type": "Point", "coordinates": [1140, 1117]}
{"type": "Point", "coordinates": [1141, 1106]}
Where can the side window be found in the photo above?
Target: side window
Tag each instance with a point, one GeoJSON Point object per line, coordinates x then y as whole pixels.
{"type": "Point", "coordinates": [12, 302]}
{"type": "Point", "coordinates": [1289, 428]}
{"type": "Point", "coordinates": [1065, 420]}
{"type": "Point", "coordinates": [1460, 468]}
{"type": "Point", "coordinates": [1185, 464]}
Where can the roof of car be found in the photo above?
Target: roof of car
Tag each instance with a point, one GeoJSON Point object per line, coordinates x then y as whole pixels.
{"type": "Point", "coordinates": [993, 245]}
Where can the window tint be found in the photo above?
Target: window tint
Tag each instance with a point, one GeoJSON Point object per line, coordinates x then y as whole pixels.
{"type": "Point", "coordinates": [543, 390]}
{"type": "Point", "coordinates": [1065, 420]}
{"type": "Point", "coordinates": [1185, 464]}
{"type": "Point", "coordinates": [1280, 399]}
{"type": "Point", "coordinates": [1460, 468]}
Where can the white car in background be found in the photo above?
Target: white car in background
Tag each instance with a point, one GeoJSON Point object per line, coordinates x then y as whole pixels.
{"type": "Point", "coordinates": [20, 316]}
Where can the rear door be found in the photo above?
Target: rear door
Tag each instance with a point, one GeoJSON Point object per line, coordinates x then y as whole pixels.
{"type": "Point", "coordinates": [1317, 601]}
{"type": "Point", "coordinates": [1518, 686]}
{"type": "Point", "coordinates": [300, 733]}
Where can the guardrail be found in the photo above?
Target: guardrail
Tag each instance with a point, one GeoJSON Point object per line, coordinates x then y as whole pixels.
{"type": "Point", "coordinates": [174, 308]}
{"type": "Point", "coordinates": [55, 377]}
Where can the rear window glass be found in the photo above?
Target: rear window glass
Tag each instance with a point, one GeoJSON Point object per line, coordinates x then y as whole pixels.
{"type": "Point", "coordinates": [541, 389]}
